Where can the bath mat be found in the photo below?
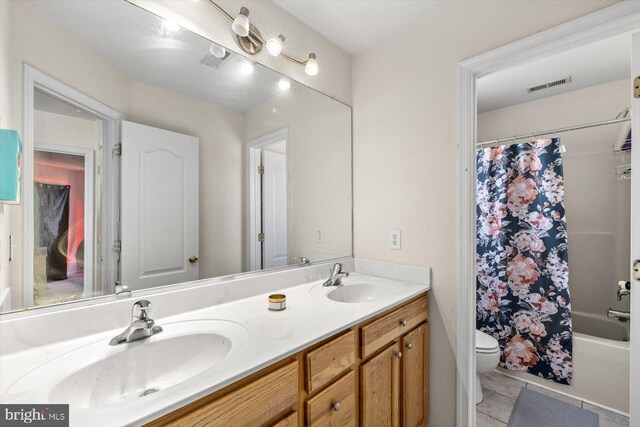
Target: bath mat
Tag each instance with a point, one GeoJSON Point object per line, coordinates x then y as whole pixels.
{"type": "Point", "coordinates": [533, 409]}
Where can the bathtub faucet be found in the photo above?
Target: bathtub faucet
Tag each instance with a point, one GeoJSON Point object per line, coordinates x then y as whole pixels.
{"type": "Point", "coordinates": [624, 289]}
{"type": "Point", "coordinates": [622, 316]}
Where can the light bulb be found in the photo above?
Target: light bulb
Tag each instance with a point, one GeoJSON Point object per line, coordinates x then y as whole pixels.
{"type": "Point", "coordinates": [311, 66]}
{"type": "Point", "coordinates": [217, 50]}
{"type": "Point", "coordinates": [246, 68]}
{"type": "Point", "coordinates": [170, 26]}
{"type": "Point", "coordinates": [274, 45]}
{"type": "Point", "coordinates": [240, 25]}
{"type": "Point", "coordinates": [284, 83]}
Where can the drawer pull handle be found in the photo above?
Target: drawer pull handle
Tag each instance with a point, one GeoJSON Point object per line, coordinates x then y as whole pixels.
{"type": "Point", "coordinates": [336, 406]}
{"type": "Point", "coordinates": [403, 322]}
{"type": "Point", "coordinates": [399, 354]}
{"type": "Point", "coordinates": [409, 345]}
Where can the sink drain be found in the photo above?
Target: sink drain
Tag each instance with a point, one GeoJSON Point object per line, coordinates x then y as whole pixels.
{"type": "Point", "coordinates": [148, 392]}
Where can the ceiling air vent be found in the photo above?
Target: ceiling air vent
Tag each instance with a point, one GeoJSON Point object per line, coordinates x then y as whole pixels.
{"type": "Point", "coordinates": [215, 62]}
{"type": "Point", "coordinates": [550, 84]}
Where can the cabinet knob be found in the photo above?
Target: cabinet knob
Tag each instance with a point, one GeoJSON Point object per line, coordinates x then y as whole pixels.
{"type": "Point", "coordinates": [409, 345]}
{"type": "Point", "coordinates": [193, 259]}
{"type": "Point", "coordinates": [399, 354]}
{"type": "Point", "coordinates": [336, 406]}
{"type": "Point", "coordinates": [403, 322]}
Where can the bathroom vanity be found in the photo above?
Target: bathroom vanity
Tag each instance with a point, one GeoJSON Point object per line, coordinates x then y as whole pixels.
{"type": "Point", "coordinates": [376, 370]}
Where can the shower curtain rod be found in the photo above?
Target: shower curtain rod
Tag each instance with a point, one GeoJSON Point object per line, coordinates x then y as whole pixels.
{"type": "Point", "coordinates": [532, 136]}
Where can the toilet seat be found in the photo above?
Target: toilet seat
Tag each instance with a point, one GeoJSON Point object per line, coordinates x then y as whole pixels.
{"type": "Point", "coordinates": [485, 343]}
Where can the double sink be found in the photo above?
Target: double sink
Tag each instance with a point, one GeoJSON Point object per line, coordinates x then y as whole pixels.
{"type": "Point", "coordinates": [104, 375]}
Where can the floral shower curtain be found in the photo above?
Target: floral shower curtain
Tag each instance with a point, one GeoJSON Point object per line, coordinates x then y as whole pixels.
{"type": "Point", "coordinates": [522, 271]}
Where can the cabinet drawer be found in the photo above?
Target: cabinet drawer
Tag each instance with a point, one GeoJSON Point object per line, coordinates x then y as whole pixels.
{"type": "Point", "coordinates": [381, 332]}
{"type": "Point", "coordinates": [334, 406]}
{"type": "Point", "coordinates": [327, 362]}
{"type": "Point", "coordinates": [290, 420]}
{"type": "Point", "coordinates": [255, 404]}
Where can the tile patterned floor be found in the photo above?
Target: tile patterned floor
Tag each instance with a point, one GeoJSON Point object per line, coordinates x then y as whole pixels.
{"type": "Point", "coordinates": [500, 394]}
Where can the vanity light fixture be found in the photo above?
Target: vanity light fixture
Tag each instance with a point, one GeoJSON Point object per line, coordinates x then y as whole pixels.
{"type": "Point", "coordinates": [218, 51]}
{"type": "Point", "coordinates": [251, 41]}
{"type": "Point", "coordinates": [246, 68]}
{"type": "Point", "coordinates": [240, 25]}
{"type": "Point", "coordinates": [274, 45]}
{"type": "Point", "coordinates": [284, 83]}
{"type": "Point", "coordinates": [311, 67]}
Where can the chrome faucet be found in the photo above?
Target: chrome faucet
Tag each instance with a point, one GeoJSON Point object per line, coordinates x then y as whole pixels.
{"type": "Point", "coordinates": [141, 327]}
{"type": "Point", "coordinates": [303, 260]}
{"type": "Point", "coordinates": [336, 276]}
{"type": "Point", "coordinates": [622, 316]}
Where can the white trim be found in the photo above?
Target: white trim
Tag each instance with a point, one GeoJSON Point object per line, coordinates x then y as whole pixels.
{"type": "Point", "coordinates": [620, 18]}
{"type": "Point", "coordinates": [34, 79]}
{"type": "Point", "coordinates": [634, 345]}
{"type": "Point", "coordinates": [89, 216]}
{"type": "Point", "coordinates": [253, 219]}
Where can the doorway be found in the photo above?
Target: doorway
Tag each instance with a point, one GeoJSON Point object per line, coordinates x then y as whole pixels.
{"type": "Point", "coordinates": [268, 179]}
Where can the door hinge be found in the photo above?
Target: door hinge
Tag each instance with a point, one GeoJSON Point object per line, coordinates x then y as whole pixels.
{"type": "Point", "coordinates": [117, 246]}
{"type": "Point", "coordinates": [260, 170]}
{"type": "Point", "coordinates": [636, 87]}
{"type": "Point", "coordinates": [260, 237]}
{"type": "Point", "coordinates": [117, 150]}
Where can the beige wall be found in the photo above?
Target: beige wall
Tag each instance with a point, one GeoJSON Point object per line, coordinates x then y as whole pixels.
{"type": "Point", "coordinates": [597, 205]}
{"type": "Point", "coordinates": [221, 169]}
{"type": "Point", "coordinates": [320, 162]}
{"type": "Point", "coordinates": [404, 98]}
{"type": "Point", "coordinates": [5, 123]}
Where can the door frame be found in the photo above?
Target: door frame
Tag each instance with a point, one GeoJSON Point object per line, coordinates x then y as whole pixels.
{"type": "Point", "coordinates": [89, 219]}
{"type": "Point", "coordinates": [254, 147]}
{"type": "Point", "coordinates": [623, 17]}
{"type": "Point", "coordinates": [33, 79]}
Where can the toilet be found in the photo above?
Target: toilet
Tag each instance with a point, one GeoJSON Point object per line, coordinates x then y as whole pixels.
{"type": "Point", "coordinates": [487, 358]}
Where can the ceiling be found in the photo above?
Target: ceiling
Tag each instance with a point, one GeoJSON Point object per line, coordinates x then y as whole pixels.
{"type": "Point", "coordinates": [135, 42]}
{"type": "Point", "coordinates": [356, 25]}
{"type": "Point", "coordinates": [584, 64]}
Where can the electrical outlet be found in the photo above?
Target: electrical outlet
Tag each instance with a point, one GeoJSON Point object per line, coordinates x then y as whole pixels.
{"type": "Point", "coordinates": [319, 235]}
{"type": "Point", "coordinates": [395, 241]}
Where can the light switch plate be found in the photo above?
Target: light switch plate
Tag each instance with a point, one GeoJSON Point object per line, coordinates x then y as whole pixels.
{"type": "Point", "coordinates": [319, 235]}
{"type": "Point", "coordinates": [395, 241]}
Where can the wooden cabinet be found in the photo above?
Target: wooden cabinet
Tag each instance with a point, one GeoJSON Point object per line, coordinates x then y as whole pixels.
{"type": "Point", "coordinates": [335, 406]}
{"type": "Point", "coordinates": [379, 390]}
{"type": "Point", "coordinates": [414, 377]}
{"type": "Point", "coordinates": [374, 374]}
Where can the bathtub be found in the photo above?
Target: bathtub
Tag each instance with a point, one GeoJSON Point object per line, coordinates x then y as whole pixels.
{"type": "Point", "coordinates": [600, 363]}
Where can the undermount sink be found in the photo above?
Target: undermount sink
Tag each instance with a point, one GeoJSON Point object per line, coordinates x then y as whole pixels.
{"type": "Point", "coordinates": [98, 374]}
{"type": "Point", "coordinates": [356, 290]}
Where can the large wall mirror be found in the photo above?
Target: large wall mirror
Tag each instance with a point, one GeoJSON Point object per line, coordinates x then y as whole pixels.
{"type": "Point", "coordinates": [152, 157]}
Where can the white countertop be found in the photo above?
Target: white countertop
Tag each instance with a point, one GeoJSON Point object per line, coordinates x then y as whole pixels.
{"type": "Point", "coordinates": [309, 318]}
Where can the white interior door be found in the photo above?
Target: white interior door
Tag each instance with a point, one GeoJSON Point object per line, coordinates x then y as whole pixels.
{"type": "Point", "coordinates": [274, 205]}
{"type": "Point", "coordinates": [159, 223]}
{"type": "Point", "coordinates": [635, 237]}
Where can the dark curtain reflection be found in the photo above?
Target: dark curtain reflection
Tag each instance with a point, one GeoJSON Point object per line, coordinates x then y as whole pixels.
{"type": "Point", "coordinates": [52, 226]}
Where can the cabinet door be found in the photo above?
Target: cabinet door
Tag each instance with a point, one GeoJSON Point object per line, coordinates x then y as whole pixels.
{"type": "Point", "coordinates": [380, 389]}
{"type": "Point", "coordinates": [415, 368]}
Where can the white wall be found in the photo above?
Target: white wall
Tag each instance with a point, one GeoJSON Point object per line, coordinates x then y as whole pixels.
{"type": "Point", "coordinates": [404, 98]}
{"type": "Point", "coordinates": [334, 78]}
{"type": "Point", "coordinates": [320, 162]}
{"type": "Point", "coordinates": [597, 206]}
{"type": "Point", "coordinates": [5, 123]}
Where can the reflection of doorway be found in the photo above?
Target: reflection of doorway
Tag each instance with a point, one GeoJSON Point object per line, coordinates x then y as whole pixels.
{"type": "Point", "coordinates": [63, 218]}
{"type": "Point", "coordinates": [269, 201]}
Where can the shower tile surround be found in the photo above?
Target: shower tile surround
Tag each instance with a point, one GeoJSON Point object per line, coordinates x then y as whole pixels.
{"type": "Point", "coordinates": [501, 392]}
{"type": "Point", "coordinates": [243, 300]}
